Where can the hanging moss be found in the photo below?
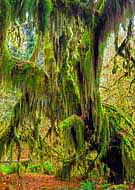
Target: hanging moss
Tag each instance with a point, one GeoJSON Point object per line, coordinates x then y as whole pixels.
{"type": "Point", "coordinates": [44, 10]}
{"type": "Point", "coordinates": [75, 8]}
{"type": "Point", "coordinates": [128, 156]}
{"type": "Point", "coordinates": [73, 128]}
{"type": "Point", "coordinates": [100, 5]}
{"type": "Point", "coordinates": [104, 136]}
{"type": "Point", "coordinates": [121, 126]}
{"type": "Point", "coordinates": [9, 139]}
{"type": "Point", "coordinates": [19, 9]}
{"type": "Point", "coordinates": [66, 80]}
{"type": "Point", "coordinates": [4, 22]}
{"type": "Point", "coordinates": [39, 10]}
{"type": "Point", "coordinates": [4, 15]}
{"type": "Point", "coordinates": [86, 39]}
{"type": "Point", "coordinates": [65, 172]}
{"type": "Point", "coordinates": [109, 21]}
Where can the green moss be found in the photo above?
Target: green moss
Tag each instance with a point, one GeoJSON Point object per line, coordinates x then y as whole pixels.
{"type": "Point", "coordinates": [4, 15]}
{"type": "Point", "coordinates": [44, 10]}
{"type": "Point", "coordinates": [40, 10]}
{"type": "Point", "coordinates": [4, 21]}
{"type": "Point", "coordinates": [104, 134]}
{"type": "Point", "coordinates": [71, 121]}
{"type": "Point", "coordinates": [128, 157]}
{"type": "Point", "coordinates": [73, 128]}
{"type": "Point", "coordinates": [87, 66]}
{"type": "Point", "coordinates": [19, 9]}
{"type": "Point", "coordinates": [100, 5]}
{"type": "Point", "coordinates": [69, 88]}
{"type": "Point", "coordinates": [122, 126]}
{"type": "Point", "coordinates": [86, 39]}
{"type": "Point", "coordinates": [65, 172]}
{"type": "Point", "coordinates": [8, 140]}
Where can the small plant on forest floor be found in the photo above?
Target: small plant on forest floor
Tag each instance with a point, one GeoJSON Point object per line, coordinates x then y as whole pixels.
{"type": "Point", "coordinates": [48, 168]}
{"type": "Point", "coordinates": [87, 186]}
{"type": "Point", "coordinates": [45, 167]}
{"type": "Point", "coordinates": [34, 168]}
{"type": "Point", "coordinates": [105, 185]}
{"type": "Point", "coordinates": [7, 169]}
{"type": "Point", "coordinates": [92, 186]}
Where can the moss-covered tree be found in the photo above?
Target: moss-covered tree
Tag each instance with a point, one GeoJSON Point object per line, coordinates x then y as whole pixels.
{"type": "Point", "coordinates": [71, 35]}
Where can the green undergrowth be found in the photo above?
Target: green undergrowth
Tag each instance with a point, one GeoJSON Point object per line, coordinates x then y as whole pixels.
{"type": "Point", "coordinates": [89, 185]}
{"type": "Point", "coordinates": [115, 122]}
{"type": "Point", "coordinates": [45, 167]}
{"type": "Point", "coordinates": [21, 167]}
{"type": "Point", "coordinates": [8, 169]}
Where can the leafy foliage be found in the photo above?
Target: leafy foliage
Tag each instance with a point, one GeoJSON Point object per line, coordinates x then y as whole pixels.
{"type": "Point", "coordinates": [87, 186]}
{"type": "Point", "coordinates": [7, 169]}
{"type": "Point", "coordinates": [45, 167]}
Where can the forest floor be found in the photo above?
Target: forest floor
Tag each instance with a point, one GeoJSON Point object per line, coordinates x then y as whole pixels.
{"type": "Point", "coordinates": [36, 182]}
{"type": "Point", "coordinates": [48, 182]}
